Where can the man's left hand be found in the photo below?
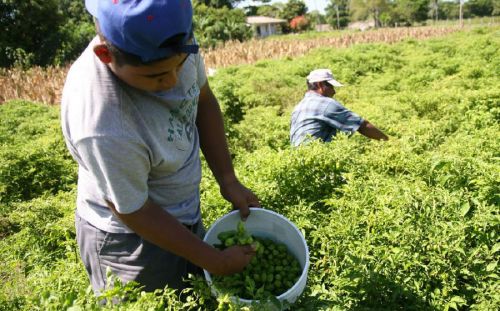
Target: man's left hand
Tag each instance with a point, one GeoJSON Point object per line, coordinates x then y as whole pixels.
{"type": "Point", "coordinates": [240, 196]}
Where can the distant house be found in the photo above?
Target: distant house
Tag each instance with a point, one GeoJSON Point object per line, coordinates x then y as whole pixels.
{"type": "Point", "coordinates": [361, 25]}
{"type": "Point", "coordinates": [264, 26]}
{"type": "Point", "coordinates": [323, 27]}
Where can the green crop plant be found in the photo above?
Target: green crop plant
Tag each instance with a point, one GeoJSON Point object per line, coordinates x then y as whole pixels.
{"type": "Point", "coordinates": [33, 157]}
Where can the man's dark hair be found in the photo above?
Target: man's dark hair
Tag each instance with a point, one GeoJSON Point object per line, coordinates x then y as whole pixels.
{"type": "Point", "coordinates": [122, 57]}
{"type": "Point", "coordinates": [313, 86]}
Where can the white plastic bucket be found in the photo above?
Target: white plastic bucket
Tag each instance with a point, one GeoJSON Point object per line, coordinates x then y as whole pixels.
{"type": "Point", "coordinates": [267, 224]}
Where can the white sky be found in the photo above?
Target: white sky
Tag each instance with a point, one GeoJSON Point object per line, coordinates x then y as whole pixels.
{"type": "Point", "coordinates": [312, 5]}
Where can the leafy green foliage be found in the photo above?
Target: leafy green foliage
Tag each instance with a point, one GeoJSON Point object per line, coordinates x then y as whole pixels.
{"type": "Point", "coordinates": [30, 38]}
{"type": "Point", "coordinates": [408, 12]}
{"type": "Point", "coordinates": [411, 223]}
{"type": "Point", "coordinates": [34, 160]}
{"type": "Point", "coordinates": [255, 131]}
{"type": "Point", "coordinates": [293, 8]}
{"type": "Point", "coordinates": [214, 26]}
{"type": "Point", "coordinates": [337, 13]}
{"type": "Point", "coordinates": [269, 10]}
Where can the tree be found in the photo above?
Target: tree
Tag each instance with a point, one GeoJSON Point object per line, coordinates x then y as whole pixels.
{"type": "Point", "coordinates": [293, 8]}
{"type": "Point", "coordinates": [251, 9]}
{"type": "Point", "coordinates": [316, 18]}
{"type": "Point", "coordinates": [42, 32]}
{"type": "Point", "coordinates": [481, 7]}
{"type": "Point", "coordinates": [496, 8]}
{"type": "Point", "coordinates": [218, 4]}
{"type": "Point", "coordinates": [461, 13]}
{"type": "Point", "coordinates": [75, 33]}
{"type": "Point", "coordinates": [434, 10]}
{"type": "Point", "coordinates": [75, 11]}
{"type": "Point", "coordinates": [268, 10]}
{"type": "Point", "coordinates": [410, 11]}
{"type": "Point", "coordinates": [290, 10]}
{"type": "Point", "coordinates": [213, 26]}
{"type": "Point", "coordinates": [450, 10]}
{"type": "Point", "coordinates": [337, 13]}
{"type": "Point", "coordinates": [363, 9]}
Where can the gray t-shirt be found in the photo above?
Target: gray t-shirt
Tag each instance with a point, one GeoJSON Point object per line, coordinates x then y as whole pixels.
{"type": "Point", "coordinates": [131, 144]}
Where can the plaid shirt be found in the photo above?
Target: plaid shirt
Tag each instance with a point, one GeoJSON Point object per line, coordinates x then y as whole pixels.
{"type": "Point", "coordinates": [321, 117]}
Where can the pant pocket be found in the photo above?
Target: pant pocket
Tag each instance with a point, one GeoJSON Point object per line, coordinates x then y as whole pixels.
{"type": "Point", "coordinates": [120, 245]}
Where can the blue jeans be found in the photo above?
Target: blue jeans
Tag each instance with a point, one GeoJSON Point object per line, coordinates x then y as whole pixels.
{"type": "Point", "coordinates": [131, 258]}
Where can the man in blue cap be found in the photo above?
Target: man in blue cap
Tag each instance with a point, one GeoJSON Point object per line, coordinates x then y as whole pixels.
{"type": "Point", "coordinates": [319, 116]}
{"type": "Point", "coordinates": [136, 108]}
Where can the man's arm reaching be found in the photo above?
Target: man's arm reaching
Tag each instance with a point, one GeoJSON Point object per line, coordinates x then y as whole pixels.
{"type": "Point", "coordinates": [157, 226]}
{"type": "Point", "coordinates": [369, 130]}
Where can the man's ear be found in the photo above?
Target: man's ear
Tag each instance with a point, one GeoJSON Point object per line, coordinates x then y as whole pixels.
{"type": "Point", "coordinates": [103, 53]}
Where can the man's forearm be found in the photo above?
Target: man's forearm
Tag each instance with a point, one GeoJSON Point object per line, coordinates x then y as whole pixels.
{"type": "Point", "coordinates": [369, 130]}
{"type": "Point", "coordinates": [157, 226]}
{"type": "Point", "coordinates": [214, 146]}
{"type": "Point", "coordinates": [212, 137]}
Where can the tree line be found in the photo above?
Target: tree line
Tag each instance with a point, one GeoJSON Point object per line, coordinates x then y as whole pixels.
{"type": "Point", "coordinates": [54, 32]}
{"type": "Point", "coordinates": [389, 13]}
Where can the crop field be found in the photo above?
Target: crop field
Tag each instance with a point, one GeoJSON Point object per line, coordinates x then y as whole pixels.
{"type": "Point", "coordinates": [408, 224]}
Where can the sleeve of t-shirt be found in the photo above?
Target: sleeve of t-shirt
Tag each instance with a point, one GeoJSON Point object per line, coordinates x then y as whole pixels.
{"type": "Point", "coordinates": [200, 68]}
{"type": "Point", "coordinates": [120, 168]}
{"type": "Point", "coordinates": [342, 118]}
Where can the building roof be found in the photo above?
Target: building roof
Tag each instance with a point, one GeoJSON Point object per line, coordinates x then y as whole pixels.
{"type": "Point", "coordinates": [260, 20]}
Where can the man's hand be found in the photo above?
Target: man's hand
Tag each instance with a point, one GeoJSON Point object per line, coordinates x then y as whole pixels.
{"type": "Point", "coordinates": [235, 259]}
{"type": "Point", "coordinates": [241, 197]}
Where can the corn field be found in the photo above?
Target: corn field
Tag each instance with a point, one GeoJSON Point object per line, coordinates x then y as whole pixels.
{"type": "Point", "coordinates": [236, 53]}
{"type": "Point", "coordinates": [45, 85]}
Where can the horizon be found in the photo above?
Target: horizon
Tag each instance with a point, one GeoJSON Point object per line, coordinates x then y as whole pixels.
{"type": "Point", "coordinates": [312, 5]}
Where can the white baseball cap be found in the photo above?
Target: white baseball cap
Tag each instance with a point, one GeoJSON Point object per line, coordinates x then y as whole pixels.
{"type": "Point", "coordinates": [320, 75]}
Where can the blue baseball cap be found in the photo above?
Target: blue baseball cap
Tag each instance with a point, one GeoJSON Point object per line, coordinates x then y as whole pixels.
{"type": "Point", "coordinates": [150, 29]}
